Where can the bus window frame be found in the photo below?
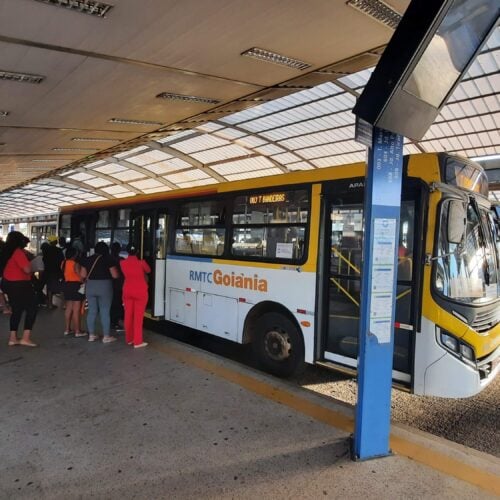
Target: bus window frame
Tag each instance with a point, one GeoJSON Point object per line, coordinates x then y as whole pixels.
{"type": "Point", "coordinates": [270, 260]}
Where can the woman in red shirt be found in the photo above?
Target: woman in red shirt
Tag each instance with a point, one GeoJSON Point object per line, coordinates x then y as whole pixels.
{"type": "Point", "coordinates": [16, 283]}
{"type": "Point", "coordinates": [135, 296]}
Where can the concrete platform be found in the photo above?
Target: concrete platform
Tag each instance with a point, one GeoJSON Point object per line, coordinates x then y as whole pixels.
{"type": "Point", "coordinates": [88, 420]}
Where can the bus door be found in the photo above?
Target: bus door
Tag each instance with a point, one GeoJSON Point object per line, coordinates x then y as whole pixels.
{"type": "Point", "coordinates": [344, 228]}
{"type": "Point", "coordinates": [149, 235]}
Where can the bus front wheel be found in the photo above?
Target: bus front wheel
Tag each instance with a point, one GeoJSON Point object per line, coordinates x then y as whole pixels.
{"type": "Point", "coordinates": [278, 345]}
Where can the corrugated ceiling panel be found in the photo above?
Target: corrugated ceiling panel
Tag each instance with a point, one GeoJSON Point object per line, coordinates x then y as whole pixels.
{"type": "Point", "coordinates": [244, 165]}
{"type": "Point", "coordinates": [251, 175]}
{"type": "Point", "coordinates": [151, 156]}
{"type": "Point", "coordinates": [220, 154]}
{"type": "Point", "coordinates": [200, 143]}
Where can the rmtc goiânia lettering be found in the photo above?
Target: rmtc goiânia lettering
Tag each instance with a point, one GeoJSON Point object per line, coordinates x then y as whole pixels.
{"type": "Point", "coordinates": [232, 279]}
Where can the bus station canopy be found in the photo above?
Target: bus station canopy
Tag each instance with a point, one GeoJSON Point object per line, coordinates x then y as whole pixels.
{"type": "Point", "coordinates": [163, 97]}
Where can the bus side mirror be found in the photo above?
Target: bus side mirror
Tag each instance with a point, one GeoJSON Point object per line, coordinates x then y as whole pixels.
{"type": "Point", "coordinates": [457, 219]}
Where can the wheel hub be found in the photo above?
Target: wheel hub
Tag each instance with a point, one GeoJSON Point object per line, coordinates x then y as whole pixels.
{"type": "Point", "coordinates": [277, 345]}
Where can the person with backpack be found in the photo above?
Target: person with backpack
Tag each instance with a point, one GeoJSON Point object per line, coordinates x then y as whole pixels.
{"type": "Point", "coordinates": [16, 273]}
{"type": "Point", "coordinates": [72, 293]}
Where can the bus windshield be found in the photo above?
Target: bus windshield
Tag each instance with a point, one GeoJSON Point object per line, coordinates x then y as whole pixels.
{"type": "Point", "coordinates": [468, 271]}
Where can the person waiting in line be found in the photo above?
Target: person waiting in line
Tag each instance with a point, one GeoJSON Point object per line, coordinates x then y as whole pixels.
{"type": "Point", "coordinates": [61, 243]}
{"type": "Point", "coordinates": [71, 289]}
{"type": "Point", "coordinates": [77, 244]}
{"type": "Point", "coordinates": [16, 283]}
{"type": "Point", "coordinates": [4, 306]}
{"type": "Point", "coordinates": [98, 271]}
{"type": "Point", "coordinates": [117, 313]}
{"type": "Point", "coordinates": [52, 259]}
{"type": "Point", "coordinates": [135, 296]}
{"type": "Point", "coordinates": [37, 268]}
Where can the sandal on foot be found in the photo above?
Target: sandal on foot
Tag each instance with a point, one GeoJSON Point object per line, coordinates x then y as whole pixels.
{"type": "Point", "coordinates": [81, 334]}
{"type": "Point", "coordinates": [138, 346]}
{"type": "Point", "coordinates": [27, 343]}
{"type": "Point", "coordinates": [67, 333]}
{"type": "Point", "coordinates": [93, 338]}
{"type": "Point", "coordinates": [11, 342]}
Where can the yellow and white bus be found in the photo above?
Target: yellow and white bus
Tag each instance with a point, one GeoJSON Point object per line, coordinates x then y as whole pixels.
{"type": "Point", "coordinates": [276, 262]}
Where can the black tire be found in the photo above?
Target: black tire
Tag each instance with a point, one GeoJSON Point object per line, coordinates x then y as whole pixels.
{"type": "Point", "coordinates": [278, 345]}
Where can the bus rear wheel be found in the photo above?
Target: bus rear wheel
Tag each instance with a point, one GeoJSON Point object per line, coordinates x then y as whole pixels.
{"type": "Point", "coordinates": [278, 345]}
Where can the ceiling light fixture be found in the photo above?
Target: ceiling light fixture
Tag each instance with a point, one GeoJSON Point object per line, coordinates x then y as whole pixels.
{"type": "Point", "coordinates": [379, 10]}
{"type": "Point", "coordinates": [272, 57]}
{"type": "Point", "coordinates": [20, 77]}
{"type": "Point", "coordinates": [126, 121]}
{"type": "Point", "coordinates": [3, 114]}
{"type": "Point", "coordinates": [74, 149]}
{"type": "Point", "coordinates": [188, 98]}
{"type": "Point", "coordinates": [91, 7]}
{"type": "Point", "coordinates": [93, 139]}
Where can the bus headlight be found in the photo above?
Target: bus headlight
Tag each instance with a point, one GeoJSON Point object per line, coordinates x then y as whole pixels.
{"type": "Point", "coordinates": [467, 352]}
{"type": "Point", "coordinates": [449, 341]}
{"type": "Point", "coordinates": [457, 347]}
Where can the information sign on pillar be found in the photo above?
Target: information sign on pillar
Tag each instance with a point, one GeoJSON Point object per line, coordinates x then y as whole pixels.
{"type": "Point", "coordinates": [378, 291]}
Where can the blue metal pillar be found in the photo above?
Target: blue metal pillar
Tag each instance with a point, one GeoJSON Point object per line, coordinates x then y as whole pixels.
{"type": "Point", "coordinates": [378, 292]}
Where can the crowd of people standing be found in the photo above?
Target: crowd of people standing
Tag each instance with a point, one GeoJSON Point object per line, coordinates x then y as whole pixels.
{"type": "Point", "coordinates": [113, 289]}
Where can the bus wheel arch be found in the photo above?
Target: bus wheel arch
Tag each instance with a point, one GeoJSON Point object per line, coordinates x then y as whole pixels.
{"type": "Point", "coordinates": [276, 338]}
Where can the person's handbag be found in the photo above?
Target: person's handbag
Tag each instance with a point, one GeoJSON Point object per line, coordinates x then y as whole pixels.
{"type": "Point", "coordinates": [81, 290]}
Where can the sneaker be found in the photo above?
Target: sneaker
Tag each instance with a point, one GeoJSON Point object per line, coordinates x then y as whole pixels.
{"type": "Point", "coordinates": [108, 339]}
{"type": "Point", "coordinates": [81, 334]}
{"type": "Point", "coordinates": [93, 338]}
{"type": "Point", "coordinates": [138, 346]}
{"type": "Point", "coordinates": [67, 333]}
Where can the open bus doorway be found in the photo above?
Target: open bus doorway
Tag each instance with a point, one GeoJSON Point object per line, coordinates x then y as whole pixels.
{"type": "Point", "coordinates": [344, 227]}
{"type": "Point", "coordinates": [149, 235]}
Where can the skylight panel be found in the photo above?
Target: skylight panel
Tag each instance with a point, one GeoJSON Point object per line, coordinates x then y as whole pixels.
{"type": "Point", "coordinates": [97, 182]}
{"type": "Point", "coordinates": [230, 133]}
{"type": "Point", "coordinates": [187, 176]}
{"type": "Point", "coordinates": [151, 156]}
{"type": "Point", "coordinates": [202, 182]}
{"type": "Point", "coordinates": [176, 136]}
{"type": "Point", "coordinates": [200, 143]}
{"type": "Point", "coordinates": [81, 176]}
{"type": "Point", "coordinates": [95, 164]}
{"type": "Point", "coordinates": [253, 175]}
{"type": "Point", "coordinates": [163, 167]}
{"type": "Point", "coordinates": [130, 152]}
{"type": "Point", "coordinates": [244, 165]}
{"type": "Point", "coordinates": [251, 141]}
{"type": "Point", "coordinates": [147, 184]}
{"type": "Point", "coordinates": [160, 189]}
{"type": "Point", "coordinates": [125, 194]}
{"type": "Point", "coordinates": [209, 127]}
{"type": "Point", "coordinates": [114, 190]}
{"type": "Point", "coordinates": [269, 150]}
{"type": "Point", "coordinates": [110, 168]}
{"type": "Point", "coordinates": [220, 154]}
{"type": "Point", "coordinates": [286, 158]}
{"type": "Point", "coordinates": [300, 165]}
{"type": "Point", "coordinates": [128, 175]}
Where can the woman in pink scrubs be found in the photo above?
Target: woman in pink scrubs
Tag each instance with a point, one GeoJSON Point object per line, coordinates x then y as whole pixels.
{"type": "Point", "coordinates": [135, 296]}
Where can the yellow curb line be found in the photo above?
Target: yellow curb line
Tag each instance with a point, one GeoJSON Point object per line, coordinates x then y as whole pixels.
{"type": "Point", "coordinates": [434, 459]}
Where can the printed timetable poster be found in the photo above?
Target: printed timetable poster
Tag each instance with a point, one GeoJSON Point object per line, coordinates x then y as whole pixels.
{"type": "Point", "coordinates": [382, 290]}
